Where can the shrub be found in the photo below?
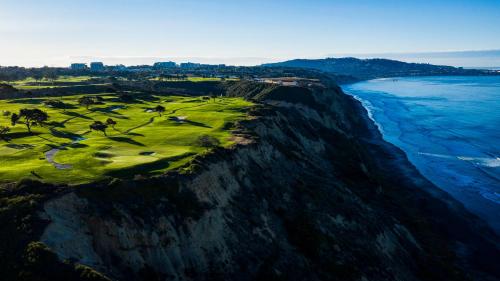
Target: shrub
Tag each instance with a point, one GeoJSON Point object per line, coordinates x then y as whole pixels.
{"type": "Point", "coordinates": [207, 141]}
{"type": "Point", "coordinates": [55, 104]}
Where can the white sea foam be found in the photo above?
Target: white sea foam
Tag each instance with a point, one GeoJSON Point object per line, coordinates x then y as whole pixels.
{"type": "Point", "coordinates": [486, 162]}
{"type": "Point", "coordinates": [481, 161]}
{"type": "Point", "coordinates": [369, 109]}
{"type": "Point", "coordinates": [453, 122]}
{"type": "Point", "coordinates": [492, 196]}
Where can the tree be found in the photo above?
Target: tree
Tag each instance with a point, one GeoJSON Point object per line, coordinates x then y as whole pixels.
{"type": "Point", "coordinates": [111, 122]}
{"type": "Point", "coordinates": [49, 74]}
{"type": "Point", "coordinates": [160, 109]}
{"type": "Point", "coordinates": [37, 76]}
{"type": "Point", "coordinates": [3, 131]}
{"type": "Point", "coordinates": [99, 126]}
{"type": "Point", "coordinates": [32, 117]}
{"type": "Point", "coordinates": [55, 104]}
{"type": "Point", "coordinates": [86, 101]}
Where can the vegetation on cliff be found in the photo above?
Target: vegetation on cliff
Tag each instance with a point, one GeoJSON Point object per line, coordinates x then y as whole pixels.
{"type": "Point", "coordinates": [310, 192]}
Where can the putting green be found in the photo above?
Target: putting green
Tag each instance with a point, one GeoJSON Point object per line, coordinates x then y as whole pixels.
{"type": "Point", "coordinates": [65, 150]}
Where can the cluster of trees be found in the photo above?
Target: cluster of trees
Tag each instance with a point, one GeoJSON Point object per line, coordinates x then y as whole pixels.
{"type": "Point", "coordinates": [37, 117]}
{"type": "Point", "coordinates": [57, 104]}
{"type": "Point", "coordinates": [160, 109]}
{"type": "Point", "coordinates": [102, 126]}
{"type": "Point", "coordinates": [87, 101]}
{"type": "Point", "coordinates": [29, 117]}
{"type": "Point", "coordinates": [20, 73]}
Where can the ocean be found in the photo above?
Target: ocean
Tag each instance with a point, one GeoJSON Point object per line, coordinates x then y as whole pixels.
{"type": "Point", "coordinates": [449, 127]}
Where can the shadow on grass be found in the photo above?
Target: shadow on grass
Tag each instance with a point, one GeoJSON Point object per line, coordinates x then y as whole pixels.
{"type": "Point", "coordinates": [147, 98]}
{"type": "Point", "coordinates": [198, 124]}
{"type": "Point", "coordinates": [135, 134]}
{"type": "Point", "coordinates": [75, 114]}
{"type": "Point", "coordinates": [56, 124]}
{"type": "Point", "coordinates": [78, 145]}
{"type": "Point", "coordinates": [126, 140]}
{"type": "Point", "coordinates": [27, 101]}
{"type": "Point", "coordinates": [18, 135]}
{"type": "Point", "coordinates": [36, 175]}
{"type": "Point", "coordinates": [44, 138]}
{"type": "Point", "coordinates": [20, 146]}
{"type": "Point", "coordinates": [65, 134]}
{"type": "Point", "coordinates": [121, 117]}
{"type": "Point", "coordinates": [109, 109]}
{"type": "Point", "coordinates": [147, 167]}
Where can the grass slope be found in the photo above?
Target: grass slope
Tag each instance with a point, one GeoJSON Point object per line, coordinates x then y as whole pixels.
{"type": "Point", "coordinates": [142, 142]}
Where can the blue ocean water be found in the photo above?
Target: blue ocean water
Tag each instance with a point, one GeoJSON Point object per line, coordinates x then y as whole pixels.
{"type": "Point", "coordinates": [450, 129]}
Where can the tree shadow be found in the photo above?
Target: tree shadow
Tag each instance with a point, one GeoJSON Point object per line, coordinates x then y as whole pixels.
{"type": "Point", "coordinates": [109, 109]}
{"type": "Point", "coordinates": [121, 117]}
{"type": "Point", "coordinates": [75, 114]}
{"type": "Point", "coordinates": [27, 101]}
{"type": "Point", "coordinates": [18, 135]}
{"type": "Point", "coordinates": [56, 124]}
{"type": "Point", "coordinates": [20, 146]}
{"type": "Point", "coordinates": [36, 175]}
{"type": "Point", "coordinates": [65, 134]}
{"type": "Point", "coordinates": [148, 167]}
{"type": "Point", "coordinates": [135, 134]}
{"type": "Point", "coordinates": [147, 98]}
{"type": "Point", "coordinates": [44, 138]}
{"type": "Point", "coordinates": [126, 140]}
{"type": "Point", "coordinates": [78, 145]}
{"type": "Point", "coordinates": [198, 124]}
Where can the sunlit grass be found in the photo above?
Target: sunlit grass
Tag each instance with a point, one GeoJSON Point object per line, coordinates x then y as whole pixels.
{"type": "Point", "coordinates": [142, 142]}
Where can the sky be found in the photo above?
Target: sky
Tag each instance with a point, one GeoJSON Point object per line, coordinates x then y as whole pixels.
{"type": "Point", "coordinates": [58, 32]}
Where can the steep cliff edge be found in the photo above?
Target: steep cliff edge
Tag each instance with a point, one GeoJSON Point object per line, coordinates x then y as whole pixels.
{"type": "Point", "coordinates": [310, 193]}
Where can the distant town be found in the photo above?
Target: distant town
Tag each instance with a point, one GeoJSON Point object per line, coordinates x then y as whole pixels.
{"type": "Point", "coordinates": [99, 66]}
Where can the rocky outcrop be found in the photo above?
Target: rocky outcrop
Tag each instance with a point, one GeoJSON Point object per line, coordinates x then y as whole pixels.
{"type": "Point", "coordinates": [313, 193]}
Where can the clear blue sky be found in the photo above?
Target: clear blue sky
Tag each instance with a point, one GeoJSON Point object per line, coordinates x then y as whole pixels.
{"type": "Point", "coordinates": [56, 32]}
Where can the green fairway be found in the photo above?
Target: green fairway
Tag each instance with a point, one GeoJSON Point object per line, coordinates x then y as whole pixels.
{"type": "Point", "coordinates": [65, 150]}
{"type": "Point", "coordinates": [194, 79]}
{"type": "Point", "coordinates": [31, 83]}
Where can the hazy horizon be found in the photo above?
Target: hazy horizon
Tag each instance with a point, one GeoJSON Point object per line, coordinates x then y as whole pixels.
{"type": "Point", "coordinates": [57, 32]}
{"type": "Point", "coordinates": [468, 59]}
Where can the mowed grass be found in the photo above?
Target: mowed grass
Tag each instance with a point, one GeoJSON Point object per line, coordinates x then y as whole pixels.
{"type": "Point", "coordinates": [30, 83]}
{"type": "Point", "coordinates": [194, 79]}
{"type": "Point", "coordinates": [142, 142]}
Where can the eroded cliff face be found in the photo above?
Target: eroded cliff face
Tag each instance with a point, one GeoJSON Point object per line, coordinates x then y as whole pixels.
{"type": "Point", "coordinates": [302, 197]}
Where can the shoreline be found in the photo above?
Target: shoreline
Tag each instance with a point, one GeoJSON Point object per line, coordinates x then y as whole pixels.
{"type": "Point", "coordinates": [472, 197]}
{"type": "Point", "coordinates": [452, 218]}
{"type": "Point", "coordinates": [412, 171]}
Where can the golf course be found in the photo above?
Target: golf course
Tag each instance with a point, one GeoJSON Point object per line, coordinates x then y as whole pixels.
{"type": "Point", "coordinates": [111, 136]}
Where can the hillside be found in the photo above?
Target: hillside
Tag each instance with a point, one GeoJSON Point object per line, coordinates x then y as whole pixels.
{"type": "Point", "coordinates": [310, 192]}
{"type": "Point", "coordinates": [375, 68]}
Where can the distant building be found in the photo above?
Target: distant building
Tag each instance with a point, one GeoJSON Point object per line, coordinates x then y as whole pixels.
{"type": "Point", "coordinates": [78, 66]}
{"type": "Point", "coordinates": [190, 65]}
{"type": "Point", "coordinates": [96, 66]}
{"type": "Point", "coordinates": [166, 64]}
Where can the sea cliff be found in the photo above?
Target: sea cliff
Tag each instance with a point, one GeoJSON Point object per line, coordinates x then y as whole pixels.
{"type": "Point", "coordinates": [309, 192]}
